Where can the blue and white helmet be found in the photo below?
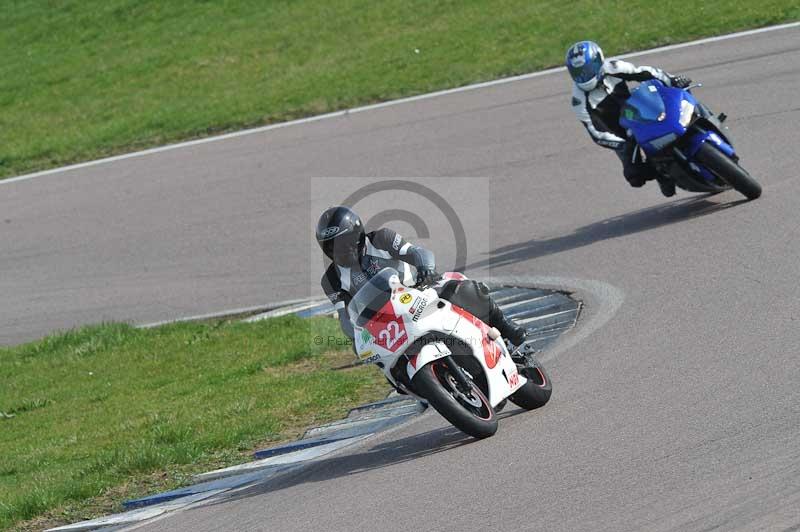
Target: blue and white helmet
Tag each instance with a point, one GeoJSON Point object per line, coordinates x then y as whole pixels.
{"type": "Point", "coordinates": [584, 62]}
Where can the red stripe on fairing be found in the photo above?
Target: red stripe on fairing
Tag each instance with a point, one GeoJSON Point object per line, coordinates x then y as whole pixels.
{"type": "Point", "coordinates": [460, 311]}
{"type": "Point", "coordinates": [413, 361]}
{"type": "Point", "coordinates": [491, 352]}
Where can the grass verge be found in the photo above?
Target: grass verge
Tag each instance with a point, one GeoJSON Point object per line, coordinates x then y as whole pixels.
{"type": "Point", "coordinates": [82, 79]}
{"type": "Point", "coordinates": [103, 413]}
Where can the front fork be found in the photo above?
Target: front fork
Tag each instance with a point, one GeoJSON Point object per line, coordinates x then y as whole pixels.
{"type": "Point", "coordinates": [463, 382]}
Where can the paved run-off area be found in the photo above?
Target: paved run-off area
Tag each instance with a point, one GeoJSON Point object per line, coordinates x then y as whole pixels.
{"type": "Point", "coordinates": [680, 413]}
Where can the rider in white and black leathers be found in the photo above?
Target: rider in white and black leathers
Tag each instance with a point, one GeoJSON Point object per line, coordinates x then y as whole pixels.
{"type": "Point", "coordinates": [357, 256]}
{"type": "Point", "coordinates": [598, 94]}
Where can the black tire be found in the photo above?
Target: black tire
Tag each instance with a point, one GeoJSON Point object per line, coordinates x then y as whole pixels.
{"type": "Point", "coordinates": [728, 170]}
{"type": "Point", "coordinates": [500, 406]}
{"type": "Point", "coordinates": [435, 383]}
{"type": "Point", "coordinates": [537, 390]}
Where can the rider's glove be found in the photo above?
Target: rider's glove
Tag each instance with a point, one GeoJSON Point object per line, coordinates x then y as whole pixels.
{"type": "Point", "coordinates": [680, 82]}
{"type": "Point", "coordinates": [426, 276]}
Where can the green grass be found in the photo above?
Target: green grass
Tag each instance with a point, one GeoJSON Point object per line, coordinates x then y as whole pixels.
{"type": "Point", "coordinates": [99, 414]}
{"type": "Point", "coordinates": [89, 78]}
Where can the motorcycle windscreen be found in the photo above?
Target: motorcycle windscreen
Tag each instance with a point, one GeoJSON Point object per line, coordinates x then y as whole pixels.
{"type": "Point", "coordinates": [371, 297]}
{"type": "Point", "coordinates": [644, 105]}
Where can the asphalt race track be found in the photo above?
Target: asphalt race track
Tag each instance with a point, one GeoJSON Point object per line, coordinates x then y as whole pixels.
{"type": "Point", "coordinates": [682, 412]}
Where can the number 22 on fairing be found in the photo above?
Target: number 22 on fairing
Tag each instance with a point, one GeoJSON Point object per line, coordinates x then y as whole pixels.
{"type": "Point", "coordinates": [392, 334]}
{"type": "Point", "coordinates": [387, 328]}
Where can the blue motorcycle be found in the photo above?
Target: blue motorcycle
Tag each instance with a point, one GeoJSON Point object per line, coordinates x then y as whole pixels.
{"type": "Point", "coordinates": [683, 141]}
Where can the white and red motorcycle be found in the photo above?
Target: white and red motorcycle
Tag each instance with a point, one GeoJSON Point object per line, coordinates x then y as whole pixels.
{"type": "Point", "coordinates": [439, 352]}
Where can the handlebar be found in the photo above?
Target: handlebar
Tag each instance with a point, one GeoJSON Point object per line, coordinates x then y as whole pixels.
{"type": "Point", "coordinates": [423, 285]}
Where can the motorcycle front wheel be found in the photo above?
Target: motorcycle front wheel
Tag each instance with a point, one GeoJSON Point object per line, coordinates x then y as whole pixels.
{"type": "Point", "coordinates": [728, 170]}
{"type": "Point", "coordinates": [469, 412]}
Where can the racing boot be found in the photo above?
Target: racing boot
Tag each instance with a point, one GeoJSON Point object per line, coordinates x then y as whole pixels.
{"type": "Point", "coordinates": [636, 181]}
{"type": "Point", "coordinates": [667, 187]}
{"type": "Point", "coordinates": [514, 334]}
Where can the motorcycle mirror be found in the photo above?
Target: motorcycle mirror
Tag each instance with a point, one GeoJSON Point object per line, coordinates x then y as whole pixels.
{"type": "Point", "coordinates": [695, 86]}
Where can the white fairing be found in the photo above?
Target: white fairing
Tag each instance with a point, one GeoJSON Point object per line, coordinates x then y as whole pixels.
{"type": "Point", "coordinates": [411, 314]}
{"type": "Point", "coordinates": [427, 354]}
{"type": "Point", "coordinates": [502, 377]}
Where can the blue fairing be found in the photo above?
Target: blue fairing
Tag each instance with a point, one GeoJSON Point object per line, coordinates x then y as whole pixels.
{"type": "Point", "coordinates": [653, 112]}
{"type": "Point", "coordinates": [653, 115]}
{"type": "Point", "coordinates": [697, 140]}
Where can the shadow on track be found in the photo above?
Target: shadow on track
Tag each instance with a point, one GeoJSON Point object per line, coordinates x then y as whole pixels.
{"type": "Point", "coordinates": [618, 226]}
{"type": "Point", "coordinates": [366, 459]}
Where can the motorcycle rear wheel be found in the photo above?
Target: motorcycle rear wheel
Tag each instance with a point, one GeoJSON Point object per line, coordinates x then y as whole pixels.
{"type": "Point", "coordinates": [536, 392]}
{"type": "Point", "coordinates": [472, 414]}
{"type": "Point", "coordinates": [729, 171]}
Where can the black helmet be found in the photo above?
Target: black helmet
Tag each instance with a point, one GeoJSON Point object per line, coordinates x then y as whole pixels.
{"type": "Point", "coordinates": [340, 234]}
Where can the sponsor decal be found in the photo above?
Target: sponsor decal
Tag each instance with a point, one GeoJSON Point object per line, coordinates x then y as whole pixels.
{"type": "Point", "coordinates": [513, 380]}
{"type": "Point", "coordinates": [329, 232]}
{"type": "Point", "coordinates": [366, 336]}
{"type": "Point", "coordinates": [368, 357]}
{"type": "Point", "coordinates": [396, 242]}
{"type": "Point", "coordinates": [405, 299]}
{"type": "Point", "coordinates": [372, 359]}
{"type": "Point", "coordinates": [359, 278]}
{"type": "Point", "coordinates": [417, 308]}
